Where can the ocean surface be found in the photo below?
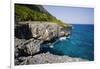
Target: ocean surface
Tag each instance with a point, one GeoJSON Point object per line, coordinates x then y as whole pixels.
{"type": "Point", "coordinates": [79, 44]}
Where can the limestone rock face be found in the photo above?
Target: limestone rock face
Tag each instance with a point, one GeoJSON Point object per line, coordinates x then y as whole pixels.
{"type": "Point", "coordinates": [44, 31]}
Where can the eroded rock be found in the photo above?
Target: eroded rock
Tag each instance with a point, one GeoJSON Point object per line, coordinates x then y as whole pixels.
{"type": "Point", "coordinates": [44, 58]}
{"type": "Point", "coordinates": [44, 31]}
{"type": "Point", "coordinates": [28, 47]}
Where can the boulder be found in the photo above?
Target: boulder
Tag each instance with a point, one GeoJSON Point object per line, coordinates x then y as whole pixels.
{"type": "Point", "coordinates": [28, 47]}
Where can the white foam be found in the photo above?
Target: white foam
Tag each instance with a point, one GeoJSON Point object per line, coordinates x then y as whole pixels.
{"type": "Point", "coordinates": [51, 46]}
{"type": "Point", "coordinates": [62, 38]}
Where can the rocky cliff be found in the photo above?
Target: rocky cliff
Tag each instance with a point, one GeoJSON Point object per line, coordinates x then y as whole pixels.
{"type": "Point", "coordinates": [39, 30]}
{"type": "Point", "coordinates": [35, 33]}
{"type": "Point", "coordinates": [29, 37]}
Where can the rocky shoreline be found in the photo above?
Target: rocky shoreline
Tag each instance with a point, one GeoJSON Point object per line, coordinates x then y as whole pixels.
{"type": "Point", "coordinates": [44, 58]}
{"type": "Point", "coordinates": [29, 37]}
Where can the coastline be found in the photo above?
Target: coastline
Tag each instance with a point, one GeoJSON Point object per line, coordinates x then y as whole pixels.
{"type": "Point", "coordinates": [30, 51]}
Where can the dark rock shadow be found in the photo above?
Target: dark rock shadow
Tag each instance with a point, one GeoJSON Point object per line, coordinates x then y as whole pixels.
{"type": "Point", "coordinates": [22, 31]}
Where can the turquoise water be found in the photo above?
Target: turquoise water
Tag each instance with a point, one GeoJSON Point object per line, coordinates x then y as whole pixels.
{"type": "Point", "coordinates": [80, 44]}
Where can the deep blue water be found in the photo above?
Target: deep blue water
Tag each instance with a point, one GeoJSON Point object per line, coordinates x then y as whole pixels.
{"type": "Point", "coordinates": [80, 44]}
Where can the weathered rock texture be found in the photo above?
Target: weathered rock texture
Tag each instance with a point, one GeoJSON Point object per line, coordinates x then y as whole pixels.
{"type": "Point", "coordinates": [39, 30]}
{"type": "Point", "coordinates": [46, 58]}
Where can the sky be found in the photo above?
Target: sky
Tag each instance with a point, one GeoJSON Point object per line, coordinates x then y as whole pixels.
{"type": "Point", "coordinates": [72, 15]}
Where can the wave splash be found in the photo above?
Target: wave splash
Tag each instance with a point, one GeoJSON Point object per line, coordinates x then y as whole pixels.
{"type": "Point", "coordinates": [62, 38]}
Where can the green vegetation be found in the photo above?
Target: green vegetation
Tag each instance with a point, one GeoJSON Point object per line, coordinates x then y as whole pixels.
{"type": "Point", "coordinates": [24, 12]}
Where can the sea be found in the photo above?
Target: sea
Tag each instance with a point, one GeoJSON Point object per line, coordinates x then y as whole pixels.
{"type": "Point", "coordinates": [79, 44]}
